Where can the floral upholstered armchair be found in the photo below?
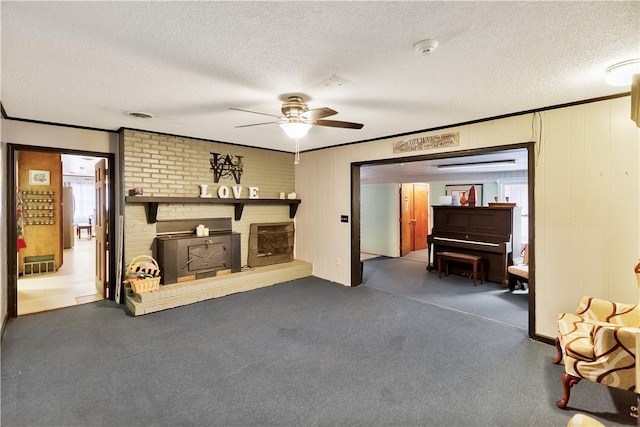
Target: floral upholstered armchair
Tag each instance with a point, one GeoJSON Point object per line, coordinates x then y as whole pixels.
{"type": "Point", "coordinates": [598, 343]}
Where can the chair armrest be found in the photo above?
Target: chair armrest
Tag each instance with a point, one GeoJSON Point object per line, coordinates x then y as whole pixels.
{"type": "Point", "coordinates": [609, 311]}
{"type": "Point", "coordinates": [613, 341]}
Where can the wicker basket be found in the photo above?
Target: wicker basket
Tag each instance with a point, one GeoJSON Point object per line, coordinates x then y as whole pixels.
{"type": "Point", "coordinates": [140, 285]}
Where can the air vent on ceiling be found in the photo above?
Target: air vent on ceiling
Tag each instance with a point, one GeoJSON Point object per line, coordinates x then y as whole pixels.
{"type": "Point", "coordinates": [140, 115]}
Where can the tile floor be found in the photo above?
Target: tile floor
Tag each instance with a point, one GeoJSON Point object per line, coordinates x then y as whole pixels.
{"type": "Point", "coordinates": [72, 284]}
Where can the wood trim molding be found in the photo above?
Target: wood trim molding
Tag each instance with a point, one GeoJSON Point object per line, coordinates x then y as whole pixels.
{"type": "Point", "coordinates": [12, 219]}
{"type": "Point", "coordinates": [356, 272]}
{"type": "Point", "coordinates": [151, 204]}
{"type": "Point", "coordinates": [4, 324]}
{"type": "Point", "coordinates": [356, 263]}
{"type": "Point", "coordinates": [471, 122]}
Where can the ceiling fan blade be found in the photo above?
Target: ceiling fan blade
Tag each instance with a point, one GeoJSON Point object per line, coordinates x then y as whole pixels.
{"type": "Point", "coordinates": [257, 124]}
{"type": "Point", "coordinates": [254, 112]}
{"type": "Point", "coordinates": [318, 113]}
{"type": "Point", "coordinates": [339, 124]}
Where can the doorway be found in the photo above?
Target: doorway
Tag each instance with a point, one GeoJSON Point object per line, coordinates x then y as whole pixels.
{"type": "Point", "coordinates": [416, 163]}
{"type": "Point", "coordinates": [52, 252]}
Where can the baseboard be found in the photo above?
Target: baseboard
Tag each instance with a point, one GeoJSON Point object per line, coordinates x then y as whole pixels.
{"type": "Point", "coordinates": [545, 340]}
{"type": "Point", "coordinates": [4, 323]}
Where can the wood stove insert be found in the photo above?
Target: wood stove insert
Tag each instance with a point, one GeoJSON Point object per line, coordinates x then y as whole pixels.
{"type": "Point", "coordinates": [182, 256]}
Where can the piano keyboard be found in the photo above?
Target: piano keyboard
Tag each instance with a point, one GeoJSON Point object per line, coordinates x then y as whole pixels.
{"type": "Point", "coordinates": [447, 239]}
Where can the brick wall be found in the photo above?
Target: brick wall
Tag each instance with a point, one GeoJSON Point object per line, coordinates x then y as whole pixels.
{"type": "Point", "coordinates": [174, 166]}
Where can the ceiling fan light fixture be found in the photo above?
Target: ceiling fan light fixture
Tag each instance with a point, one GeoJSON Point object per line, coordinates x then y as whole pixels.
{"type": "Point", "coordinates": [295, 130]}
{"type": "Point", "coordinates": [620, 74]}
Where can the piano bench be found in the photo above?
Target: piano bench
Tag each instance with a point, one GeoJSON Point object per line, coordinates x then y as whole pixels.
{"type": "Point", "coordinates": [474, 260]}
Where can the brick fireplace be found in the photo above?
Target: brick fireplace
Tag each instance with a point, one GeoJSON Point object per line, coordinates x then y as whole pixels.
{"type": "Point", "coordinates": [172, 166]}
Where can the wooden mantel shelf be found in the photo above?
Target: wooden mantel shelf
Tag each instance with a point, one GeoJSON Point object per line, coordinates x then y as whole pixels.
{"type": "Point", "coordinates": [151, 204]}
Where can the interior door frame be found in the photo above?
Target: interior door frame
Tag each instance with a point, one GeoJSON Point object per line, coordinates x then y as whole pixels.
{"type": "Point", "coordinates": [12, 218]}
{"type": "Point", "coordinates": [407, 226]}
{"type": "Point", "coordinates": [356, 264]}
{"type": "Point", "coordinates": [101, 182]}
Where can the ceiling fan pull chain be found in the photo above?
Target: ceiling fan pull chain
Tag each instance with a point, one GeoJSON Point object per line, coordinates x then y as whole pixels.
{"type": "Point", "coordinates": [297, 160]}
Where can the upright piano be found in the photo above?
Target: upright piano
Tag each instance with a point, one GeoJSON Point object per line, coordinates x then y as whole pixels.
{"type": "Point", "coordinates": [482, 231]}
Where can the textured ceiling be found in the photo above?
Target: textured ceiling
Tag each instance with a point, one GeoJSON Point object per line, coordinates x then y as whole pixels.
{"type": "Point", "coordinates": [88, 63]}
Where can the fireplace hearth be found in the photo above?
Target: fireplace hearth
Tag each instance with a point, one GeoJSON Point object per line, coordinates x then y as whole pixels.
{"type": "Point", "coordinates": [182, 256]}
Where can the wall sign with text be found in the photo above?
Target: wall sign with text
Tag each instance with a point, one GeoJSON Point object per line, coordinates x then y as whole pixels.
{"type": "Point", "coordinates": [427, 142]}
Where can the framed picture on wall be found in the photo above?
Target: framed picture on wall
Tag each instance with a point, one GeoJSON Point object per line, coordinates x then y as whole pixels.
{"type": "Point", "coordinates": [39, 177]}
{"type": "Point", "coordinates": [455, 190]}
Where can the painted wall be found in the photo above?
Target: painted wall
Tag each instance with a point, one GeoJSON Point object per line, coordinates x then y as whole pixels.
{"type": "Point", "coordinates": [40, 135]}
{"type": "Point", "coordinates": [437, 182]}
{"type": "Point", "coordinates": [380, 219]}
{"type": "Point", "coordinates": [489, 190]}
{"type": "Point", "coordinates": [587, 204]}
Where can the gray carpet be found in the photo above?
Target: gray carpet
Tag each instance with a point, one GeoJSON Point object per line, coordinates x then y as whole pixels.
{"type": "Point", "coordinates": [303, 353]}
{"type": "Point", "coordinates": [408, 276]}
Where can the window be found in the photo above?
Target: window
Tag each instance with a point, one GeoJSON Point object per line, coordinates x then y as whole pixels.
{"type": "Point", "coordinates": [518, 194]}
{"type": "Point", "coordinates": [85, 202]}
{"type": "Point", "coordinates": [517, 190]}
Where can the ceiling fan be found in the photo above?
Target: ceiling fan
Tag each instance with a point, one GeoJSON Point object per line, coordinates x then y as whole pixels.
{"type": "Point", "coordinates": [298, 118]}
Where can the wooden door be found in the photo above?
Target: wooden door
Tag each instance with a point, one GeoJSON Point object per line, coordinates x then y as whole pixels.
{"type": "Point", "coordinates": [421, 215]}
{"type": "Point", "coordinates": [407, 224]}
{"type": "Point", "coordinates": [414, 217]}
{"type": "Point", "coordinates": [102, 283]}
{"type": "Point", "coordinates": [41, 238]}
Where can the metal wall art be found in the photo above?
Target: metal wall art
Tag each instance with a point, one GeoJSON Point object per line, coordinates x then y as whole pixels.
{"type": "Point", "coordinates": [224, 166]}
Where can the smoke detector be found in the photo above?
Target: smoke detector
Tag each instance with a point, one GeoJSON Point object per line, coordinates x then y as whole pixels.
{"type": "Point", "coordinates": [425, 47]}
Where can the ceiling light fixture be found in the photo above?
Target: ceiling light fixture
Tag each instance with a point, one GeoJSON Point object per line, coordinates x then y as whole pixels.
{"type": "Point", "coordinates": [620, 74]}
{"type": "Point", "coordinates": [493, 163]}
{"type": "Point", "coordinates": [295, 129]}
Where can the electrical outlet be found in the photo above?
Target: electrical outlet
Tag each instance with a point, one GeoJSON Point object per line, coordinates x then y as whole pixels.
{"type": "Point", "coordinates": [337, 261]}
